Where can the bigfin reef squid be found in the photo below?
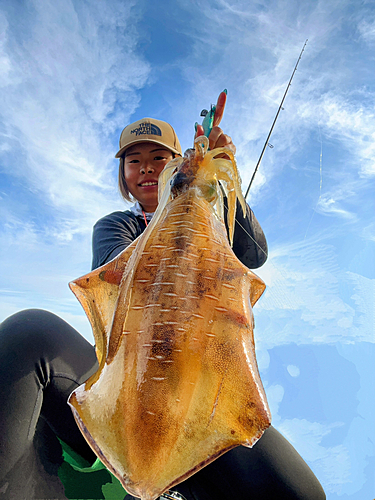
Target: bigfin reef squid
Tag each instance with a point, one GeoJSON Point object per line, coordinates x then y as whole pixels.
{"type": "Point", "coordinates": [178, 383]}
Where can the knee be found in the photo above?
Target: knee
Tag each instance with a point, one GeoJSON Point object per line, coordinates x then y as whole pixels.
{"type": "Point", "coordinates": [26, 331]}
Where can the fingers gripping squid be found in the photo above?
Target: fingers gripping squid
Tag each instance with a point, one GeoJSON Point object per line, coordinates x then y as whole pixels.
{"type": "Point", "coordinates": [178, 383]}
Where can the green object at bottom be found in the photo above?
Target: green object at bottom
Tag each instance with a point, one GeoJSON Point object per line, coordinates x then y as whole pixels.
{"type": "Point", "coordinates": [84, 481]}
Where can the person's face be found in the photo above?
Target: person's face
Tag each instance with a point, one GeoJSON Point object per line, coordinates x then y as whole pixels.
{"type": "Point", "coordinates": [142, 166]}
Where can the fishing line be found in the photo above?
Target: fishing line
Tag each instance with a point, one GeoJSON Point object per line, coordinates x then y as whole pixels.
{"type": "Point", "coordinates": [278, 286]}
{"type": "Point", "coordinates": [321, 180]}
{"type": "Point", "coordinates": [251, 237]}
{"type": "Point", "coordinates": [248, 234]}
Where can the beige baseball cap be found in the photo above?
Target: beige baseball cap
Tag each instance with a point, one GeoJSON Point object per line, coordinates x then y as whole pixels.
{"type": "Point", "coordinates": [149, 130]}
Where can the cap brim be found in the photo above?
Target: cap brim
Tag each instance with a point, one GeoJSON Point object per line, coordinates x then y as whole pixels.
{"type": "Point", "coordinates": [139, 141]}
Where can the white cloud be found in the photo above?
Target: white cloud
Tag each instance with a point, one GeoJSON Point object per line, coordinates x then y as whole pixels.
{"type": "Point", "coordinates": [350, 122]}
{"type": "Point", "coordinates": [275, 394]}
{"type": "Point", "coordinates": [339, 452]}
{"type": "Point", "coordinates": [78, 67]}
{"type": "Point", "coordinates": [368, 232]}
{"type": "Point", "coordinates": [331, 464]}
{"type": "Point", "coordinates": [327, 205]}
{"type": "Point", "coordinates": [367, 30]}
{"type": "Point", "coordinates": [254, 48]}
{"type": "Point", "coordinates": [262, 356]}
{"type": "Point", "coordinates": [364, 298]}
{"type": "Point", "coordinates": [304, 303]}
{"type": "Point", "coordinates": [38, 262]}
{"type": "Point", "coordinates": [12, 302]}
{"type": "Point", "coordinates": [71, 75]}
{"type": "Point", "coordinates": [293, 370]}
{"type": "Point", "coordinates": [5, 63]}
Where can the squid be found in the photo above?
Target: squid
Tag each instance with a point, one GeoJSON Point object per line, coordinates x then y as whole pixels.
{"type": "Point", "coordinates": [178, 383]}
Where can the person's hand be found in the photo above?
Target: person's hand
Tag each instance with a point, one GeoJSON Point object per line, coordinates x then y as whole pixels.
{"type": "Point", "coordinates": [217, 138]}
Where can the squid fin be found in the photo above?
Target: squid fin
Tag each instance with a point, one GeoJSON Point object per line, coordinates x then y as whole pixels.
{"type": "Point", "coordinates": [257, 287]}
{"type": "Point", "coordinates": [98, 292]}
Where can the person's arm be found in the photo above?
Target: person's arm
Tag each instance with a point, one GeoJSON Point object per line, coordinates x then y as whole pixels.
{"type": "Point", "coordinates": [112, 234]}
{"type": "Point", "coordinates": [249, 241]}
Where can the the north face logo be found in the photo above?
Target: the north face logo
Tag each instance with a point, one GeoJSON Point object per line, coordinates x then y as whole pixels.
{"type": "Point", "coordinates": [146, 128]}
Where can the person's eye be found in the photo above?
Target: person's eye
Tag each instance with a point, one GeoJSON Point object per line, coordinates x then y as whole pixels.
{"type": "Point", "coordinates": [133, 161]}
{"type": "Point", "coordinates": [160, 158]}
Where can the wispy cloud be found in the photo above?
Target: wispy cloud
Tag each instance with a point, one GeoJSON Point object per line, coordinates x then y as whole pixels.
{"type": "Point", "coordinates": [368, 232]}
{"type": "Point", "coordinates": [254, 49]}
{"type": "Point", "coordinates": [70, 79]}
{"type": "Point", "coordinates": [332, 464]}
{"type": "Point", "coordinates": [304, 300]}
{"type": "Point", "coordinates": [366, 29]}
{"type": "Point", "coordinates": [348, 121]}
{"type": "Point", "coordinates": [307, 438]}
{"type": "Point", "coordinates": [73, 73]}
{"type": "Point", "coordinates": [330, 441]}
{"type": "Point", "coordinates": [71, 76]}
{"type": "Point", "coordinates": [328, 205]}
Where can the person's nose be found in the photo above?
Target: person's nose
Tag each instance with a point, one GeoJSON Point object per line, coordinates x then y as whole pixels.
{"type": "Point", "coordinates": [146, 167]}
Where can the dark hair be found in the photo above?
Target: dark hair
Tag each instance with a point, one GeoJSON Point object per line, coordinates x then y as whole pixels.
{"type": "Point", "coordinates": [123, 187]}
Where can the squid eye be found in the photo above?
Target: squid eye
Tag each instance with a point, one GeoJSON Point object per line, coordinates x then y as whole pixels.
{"type": "Point", "coordinates": [180, 183]}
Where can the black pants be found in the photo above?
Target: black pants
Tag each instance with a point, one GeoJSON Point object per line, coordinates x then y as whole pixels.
{"type": "Point", "coordinates": [42, 360]}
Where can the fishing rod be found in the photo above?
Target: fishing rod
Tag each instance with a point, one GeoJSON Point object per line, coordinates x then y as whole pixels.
{"type": "Point", "coordinates": [274, 121]}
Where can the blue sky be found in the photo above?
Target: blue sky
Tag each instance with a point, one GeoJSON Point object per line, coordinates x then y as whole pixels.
{"type": "Point", "coordinates": [74, 73]}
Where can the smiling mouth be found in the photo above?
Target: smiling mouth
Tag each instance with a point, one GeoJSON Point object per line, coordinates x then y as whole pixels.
{"type": "Point", "coordinates": [150, 183]}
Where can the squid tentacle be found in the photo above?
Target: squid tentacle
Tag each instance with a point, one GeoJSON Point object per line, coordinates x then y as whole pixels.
{"type": "Point", "coordinates": [222, 171]}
